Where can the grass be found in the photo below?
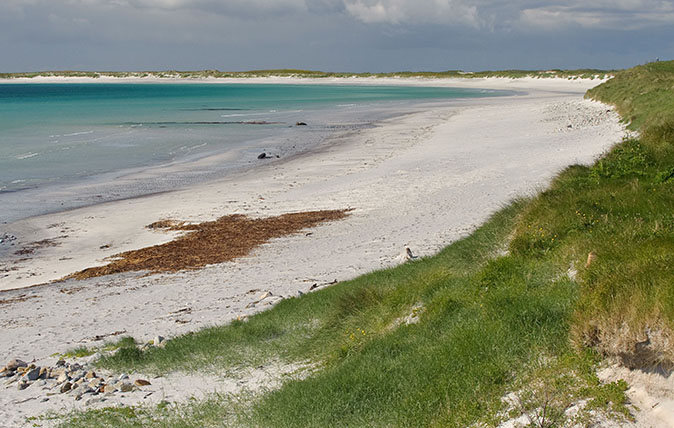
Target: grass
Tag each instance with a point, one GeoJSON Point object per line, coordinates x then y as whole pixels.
{"type": "Point", "coordinates": [642, 95]}
{"type": "Point", "coordinates": [534, 320]}
{"type": "Point", "coordinates": [566, 74]}
{"type": "Point", "coordinates": [485, 316]}
{"type": "Point", "coordinates": [83, 351]}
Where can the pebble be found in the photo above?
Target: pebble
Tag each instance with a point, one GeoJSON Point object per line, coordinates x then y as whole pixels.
{"type": "Point", "coordinates": [126, 387]}
{"type": "Point", "coordinates": [93, 400]}
{"type": "Point", "coordinates": [13, 379]}
{"type": "Point", "coordinates": [33, 374]}
{"type": "Point", "coordinates": [72, 380]}
{"type": "Point", "coordinates": [15, 364]}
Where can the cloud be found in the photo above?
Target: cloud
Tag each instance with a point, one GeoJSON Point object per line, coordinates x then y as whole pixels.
{"type": "Point", "coordinates": [602, 14]}
{"type": "Point", "coordinates": [514, 14]}
{"type": "Point", "coordinates": [414, 12]}
{"type": "Point", "coordinates": [347, 35]}
{"type": "Point", "coordinates": [480, 14]}
{"type": "Point", "coordinates": [234, 8]}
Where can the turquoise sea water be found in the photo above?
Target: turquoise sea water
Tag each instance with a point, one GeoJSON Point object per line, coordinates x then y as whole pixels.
{"type": "Point", "coordinates": [60, 134]}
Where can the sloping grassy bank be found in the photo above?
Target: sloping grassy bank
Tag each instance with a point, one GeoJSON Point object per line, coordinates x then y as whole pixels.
{"type": "Point", "coordinates": [627, 296]}
{"type": "Point", "coordinates": [522, 305]}
{"type": "Point", "coordinates": [436, 342]}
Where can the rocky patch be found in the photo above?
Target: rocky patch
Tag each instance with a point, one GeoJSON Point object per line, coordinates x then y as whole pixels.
{"type": "Point", "coordinates": [72, 379]}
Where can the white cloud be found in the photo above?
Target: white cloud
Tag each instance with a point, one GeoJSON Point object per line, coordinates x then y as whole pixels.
{"type": "Point", "coordinates": [414, 11]}
{"type": "Point", "coordinates": [601, 14]}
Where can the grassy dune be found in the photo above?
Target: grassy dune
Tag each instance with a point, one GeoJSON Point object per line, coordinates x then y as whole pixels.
{"type": "Point", "coordinates": [566, 74]}
{"type": "Point", "coordinates": [515, 307]}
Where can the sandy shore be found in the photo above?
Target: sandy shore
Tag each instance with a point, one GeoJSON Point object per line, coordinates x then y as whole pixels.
{"type": "Point", "coordinates": [421, 180]}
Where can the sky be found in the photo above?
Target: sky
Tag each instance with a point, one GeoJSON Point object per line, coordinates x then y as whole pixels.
{"type": "Point", "coordinates": [332, 35]}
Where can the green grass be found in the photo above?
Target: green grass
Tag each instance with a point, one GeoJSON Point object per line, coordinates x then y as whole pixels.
{"type": "Point", "coordinates": [642, 95]}
{"type": "Point", "coordinates": [484, 319]}
{"type": "Point", "coordinates": [83, 351]}
{"type": "Point", "coordinates": [320, 324]}
{"type": "Point", "coordinates": [534, 320]}
{"type": "Point", "coordinates": [566, 74]}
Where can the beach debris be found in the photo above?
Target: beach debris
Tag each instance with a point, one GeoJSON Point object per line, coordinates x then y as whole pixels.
{"type": "Point", "coordinates": [142, 382]}
{"type": "Point", "coordinates": [31, 247]}
{"type": "Point", "coordinates": [159, 341]}
{"type": "Point", "coordinates": [103, 336]}
{"type": "Point", "coordinates": [5, 238]}
{"type": "Point", "coordinates": [300, 124]}
{"type": "Point", "coordinates": [166, 224]}
{"type": "Point", "coordinates": [262, 155]}
{"type": "Point", "coordinates": [591, 257]}
{"type": "Point", "coordinates": [316, 285]}
{"type": "Point", "coordinates": [259, 299]}
{"type": "Point", "coordinates": [406, 256]}
{"type": "Point", "coordinates": [211, 242]}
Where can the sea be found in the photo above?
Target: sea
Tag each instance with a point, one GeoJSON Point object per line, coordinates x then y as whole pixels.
{"type": "Point", "coordinates": [66, 145]}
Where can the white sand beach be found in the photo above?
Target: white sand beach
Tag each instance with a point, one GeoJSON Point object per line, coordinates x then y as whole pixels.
{"type": "Point", "coordinates": [421, 181]}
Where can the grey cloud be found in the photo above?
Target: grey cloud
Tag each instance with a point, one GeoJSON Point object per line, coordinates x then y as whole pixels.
{"type": "Point", "coordinates": [339, 35]}
{"type": "Point", "coordinates": [491, 14]}
{"type": "Point", "coordinates": [418, 11]}
{"type": "Point", "coordinates": [482, 14]}
{"type": "Point", "coordinates": [625, 14]}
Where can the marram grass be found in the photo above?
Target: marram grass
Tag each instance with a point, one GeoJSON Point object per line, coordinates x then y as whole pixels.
{"type": "Point", "coordinates": [587, 271]}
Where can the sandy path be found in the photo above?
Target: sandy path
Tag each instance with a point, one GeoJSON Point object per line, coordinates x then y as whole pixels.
{"type": "Point", "coordinates": [422, 180]}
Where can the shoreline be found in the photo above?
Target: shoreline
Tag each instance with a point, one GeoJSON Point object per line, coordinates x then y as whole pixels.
{"type": "Point", "coordinates": [213, 161]}
{"type": "Point", "coordinates": [29, 229]}
{"type": "Point", "coordinates": [421, 181]}
{"type": "Point", "coordinates": [458, 82]}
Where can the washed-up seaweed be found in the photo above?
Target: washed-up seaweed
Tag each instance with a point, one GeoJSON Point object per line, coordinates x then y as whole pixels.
{"type": "Point", "coordinates": [222, 240]}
